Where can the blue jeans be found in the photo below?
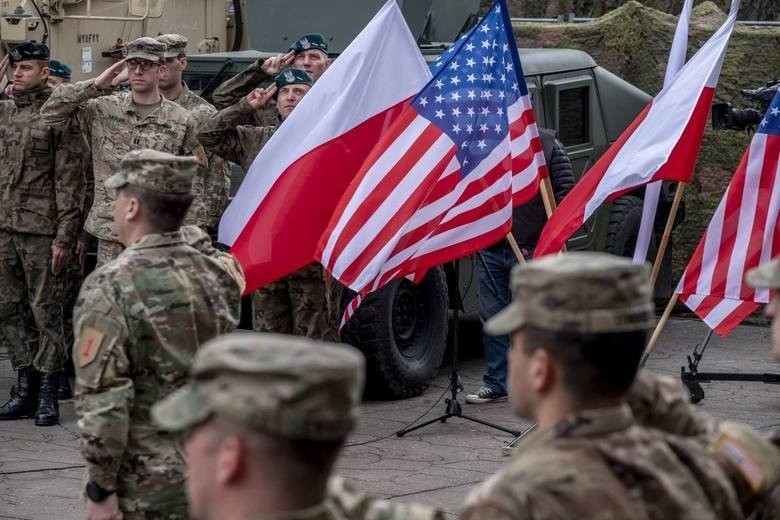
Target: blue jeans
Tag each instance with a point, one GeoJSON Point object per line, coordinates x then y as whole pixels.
{"type": "Point", "coordinates": [493, 271]}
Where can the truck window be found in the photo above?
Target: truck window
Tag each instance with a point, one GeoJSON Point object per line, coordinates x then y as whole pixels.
{"type": "Point", "coordinates": [573, 118]}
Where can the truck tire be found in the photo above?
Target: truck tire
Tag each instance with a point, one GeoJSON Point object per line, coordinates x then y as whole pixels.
{"type": "Point", "coordinates": [625, 218]}
{"type": "Point", "coordinates": [402, 332]}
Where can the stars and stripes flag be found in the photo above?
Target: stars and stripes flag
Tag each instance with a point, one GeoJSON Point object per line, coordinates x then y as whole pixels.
{"type": "Point", "coordinates": [744, 233]}
{"type": "Point", "coordinates": [442, 181]}
{"type": "Point", "coordinates": [662, 143]}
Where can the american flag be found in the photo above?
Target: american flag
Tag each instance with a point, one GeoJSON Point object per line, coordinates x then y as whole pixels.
{"type": "Point", "coordinates": [742, 234]}
{"type": "Point", "coordinates": [442, 181]}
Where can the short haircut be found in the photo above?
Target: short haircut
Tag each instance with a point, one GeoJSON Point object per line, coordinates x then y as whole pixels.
{"type": "Point", "coordinates": [165, 212]}
{"type": "Point", "coordinates": [594, 366]}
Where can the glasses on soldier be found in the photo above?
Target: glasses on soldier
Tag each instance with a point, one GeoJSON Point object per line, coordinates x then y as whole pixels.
{"type": "Point", "coordinates": [144, 64]}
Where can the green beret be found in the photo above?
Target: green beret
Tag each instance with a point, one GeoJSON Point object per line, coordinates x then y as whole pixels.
{"type": "Point", "coordinates": [155, 171]}
{"type": "Point", "coordinates": [288, 386]}
{"type": "Point", "coordinates": [175, 44]}
{"type": "Point", "coordinates": [292, 76]}
{"type": "Point", "coordinates": [29, 51]}
{"type": "Point", "coordinates": [59, 69]}
{"type": "Point", "coordinates": [310, 41]}
{"type": "Point", "coordinates": [145, 48]}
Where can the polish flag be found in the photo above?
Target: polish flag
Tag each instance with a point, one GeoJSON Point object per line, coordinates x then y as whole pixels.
{"type": "Point", "coordinates": [660, 144]}
{"type": "Point", "coordinates": [286, 201]}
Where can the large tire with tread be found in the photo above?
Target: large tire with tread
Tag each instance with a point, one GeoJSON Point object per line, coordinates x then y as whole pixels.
{"type": "Point", "coordinates": [402, 331]}
{"type": "Point", "coordinates": [625, 218]}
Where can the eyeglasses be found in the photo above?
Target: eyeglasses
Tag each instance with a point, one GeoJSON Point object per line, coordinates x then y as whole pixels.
{"type": "Point", "coordinates": [144, 64]}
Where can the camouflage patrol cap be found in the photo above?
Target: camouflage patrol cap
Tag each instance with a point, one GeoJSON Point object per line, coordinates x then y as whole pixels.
{"type": "Point", "coordinates": [29, 51]}
{"type": "Point", "coordinates": [145, 48]}
{"type": "Point", "coordinates": [311, 41]}
{"type": "Point", "coordinates": [580, 292]}
{"type": "Point", "coordinates": [291, 76]}
{"type": "Point", "coordinates": [282, 385]}
{"type": "Point", "coordinates": [175, 44]}
{"type": "Point", "coordinates": [59, 69]}
{"type": "Point", "coordinates": [155, 171]}
{"type": "Point", "coordinates": [767, 275]}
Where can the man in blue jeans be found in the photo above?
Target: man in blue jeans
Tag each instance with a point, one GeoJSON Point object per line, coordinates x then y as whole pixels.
{"type": "Point", "coordinates": [495, 264]}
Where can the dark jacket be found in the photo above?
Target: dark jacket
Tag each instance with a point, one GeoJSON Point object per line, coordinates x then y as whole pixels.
{"type": "Point", "coordinates": [529, 218]}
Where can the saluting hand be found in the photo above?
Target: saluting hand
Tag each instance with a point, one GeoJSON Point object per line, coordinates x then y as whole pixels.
{"type": "Point", "coordinates": [106, 80]}
{"type": "Point", "coordinates": [258, 98]}
{"type": "Point", "coordinates": [276, 64]}
{"type": "Point", "coordinates": [108, 509]}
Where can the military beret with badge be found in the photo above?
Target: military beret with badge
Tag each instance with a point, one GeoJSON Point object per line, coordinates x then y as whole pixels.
{"type": "Point", "coordinates": [308, 42]}
{"type": "Point", "coordinates": [29, 51]}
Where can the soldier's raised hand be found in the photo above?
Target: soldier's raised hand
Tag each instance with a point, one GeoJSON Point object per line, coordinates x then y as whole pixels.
{"type": "Point", "coordinates": [258, 98]}
{"type": "Point", "coordinates": [276, 64]}
{"type": "Point", "coordinates": [106, 80]}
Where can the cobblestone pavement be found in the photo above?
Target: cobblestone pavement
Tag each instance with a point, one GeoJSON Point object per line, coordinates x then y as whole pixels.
{"type": "Point", "coordinates": [41, 472]}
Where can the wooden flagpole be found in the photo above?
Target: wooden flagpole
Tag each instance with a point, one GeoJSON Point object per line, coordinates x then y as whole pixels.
{"type": "Point", "coordinates": [513, 244]}
{"type": "Point", "coordinates": [658, 329]}
{"type": "Point", "coordinates": [548, 198]}
{"type": "Point", "coordinates": [667, 233]}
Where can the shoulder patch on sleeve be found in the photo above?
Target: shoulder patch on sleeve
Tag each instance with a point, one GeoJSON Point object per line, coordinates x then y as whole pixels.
{"type": "Point", "coordinates": [743, 461]}
{"type": "Point", "coordinates": [88, 345]}
{"type": "Point", "coordinates": [200, 154]}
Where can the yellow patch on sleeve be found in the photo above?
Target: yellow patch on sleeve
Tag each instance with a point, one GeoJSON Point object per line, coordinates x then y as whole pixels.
{"type": "Point", "coordinates": [88, 345]}
{"type": "Point", "coordinates": [200, 154]}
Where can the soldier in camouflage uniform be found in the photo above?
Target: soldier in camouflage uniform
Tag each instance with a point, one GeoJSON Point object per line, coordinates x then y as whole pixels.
{"type": "Point", "coordinates": [265, 417]}
{"type": "Point", "coordinates": [298, 303]}
{"type": "Point", "coordinates": [212, 185]}
{"type": "Point", "coordinates": [115, 123]}
{"type": "Point", "coordinates": [309, 53]}
{"type": "Point", "coordinates": [579, 323]}
{"type": "Point", "coordinates": [41, 194]}
{"type": "Point", "coordinates": [139, 321]}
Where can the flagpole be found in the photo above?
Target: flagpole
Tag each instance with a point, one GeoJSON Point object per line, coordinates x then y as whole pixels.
{"type": "Point", "coordinates": [658, 329]}
{"type": "Point", "coordinates": [548, 198]}
{"type": "Point", "coordinates": [513, 244]}
{"type": "Point", "coordinates": [667, 232]}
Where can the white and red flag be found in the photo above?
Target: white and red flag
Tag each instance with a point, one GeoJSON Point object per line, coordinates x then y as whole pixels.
{"type": "Point", "coordinates": [275, 221]}
{"type": "Point", "coordinates": [660, 144]}
{"type": "Point", "coordinates": [744, 233]}
{"type": "Point", "coordinates": [442, 181]}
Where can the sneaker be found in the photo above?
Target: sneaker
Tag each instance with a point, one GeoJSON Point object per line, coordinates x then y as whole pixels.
{"type": "Point", "coordinates": [486, 395]}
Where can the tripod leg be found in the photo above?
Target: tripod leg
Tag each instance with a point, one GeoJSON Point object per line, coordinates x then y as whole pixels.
{"type": "Point", "coordinates": [491, 425]}
{"type": "Point", "coordinates": [401, 433]}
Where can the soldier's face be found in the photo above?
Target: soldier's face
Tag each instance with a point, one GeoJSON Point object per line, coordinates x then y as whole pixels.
{"type": "Point", "coordinates": [531, 376]}
{"type": "Point", "coordinates": [171, 73]}
{"type": "Point", "coordinates": [288, 98]}
{"type": "Point", "coordinates": [143, 75]}
{"type": "Point", "coordinates": [773, 311]}
{"type": "Point", "coordinates": [125, 210]}
{"type": "Point", "coordinates": [55, 81]}
{"type": "Point", "coordinates": [315, 62]}
{"type": "Point", "coordinates": [29, 74]}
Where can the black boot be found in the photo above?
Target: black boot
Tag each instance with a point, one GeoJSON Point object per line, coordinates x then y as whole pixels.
{"type": "Point", "coordinates": [23, 396]}
{"type": "Point", "coordinates": [48, 413]}
{"type": "Point", "coordinates": [64, 392]}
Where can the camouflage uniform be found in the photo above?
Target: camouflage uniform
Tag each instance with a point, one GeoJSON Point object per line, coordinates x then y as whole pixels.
{"type": "Point", "coordinates": [41, 194]}
{"type": "Point", "coordinates": [281, 387]}
{"type": "Point", "coordinates": [113, 127]}
{"type": "Point", "coordinates": [139, 321]}
{"type": "Point", "coordinates": [298, 303]}
{"type": "Point", "coordinates": [212, 184]}
{"type": "Point", "coordinates": [596, 462]}
{"type": "Point", "coordinates": [233, 90]}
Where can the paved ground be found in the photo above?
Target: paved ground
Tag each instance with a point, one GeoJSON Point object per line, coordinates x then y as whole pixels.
{"type": "Point", "coordinates": [41, 473]}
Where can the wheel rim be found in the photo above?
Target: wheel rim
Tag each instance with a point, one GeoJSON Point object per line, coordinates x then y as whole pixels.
{"type": "Point", "coordinates": [408, 317]}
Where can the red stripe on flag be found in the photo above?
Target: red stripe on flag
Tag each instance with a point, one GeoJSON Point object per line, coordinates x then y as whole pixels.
{"type": "Point", "coordinates": [734, 318]}
{"type": "Point", "coordinates": [327, 171]}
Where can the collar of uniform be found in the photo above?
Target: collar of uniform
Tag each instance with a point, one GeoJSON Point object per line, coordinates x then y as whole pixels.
{"type": "Point", "coordinates": [161, 114]}
{"type": "Point", "coordinates": [33, 96]}
{"type": "Point", "coordinates": [158, 240]}
{"type": "Point", "coordinates": [582, 424]}
{"type": "Point", "coordinates": [185, 91]}
{"type": "Point", "coordinates": [318, 512]}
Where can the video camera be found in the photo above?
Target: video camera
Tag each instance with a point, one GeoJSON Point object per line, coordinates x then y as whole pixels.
{"type": "Point", "coordinates": [726, 117]}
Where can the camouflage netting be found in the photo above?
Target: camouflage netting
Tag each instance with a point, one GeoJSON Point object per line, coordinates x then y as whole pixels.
{"type": "Point", "coordinates": [633, 42]}
{"type": "Point", "coordinates": [749, 10]}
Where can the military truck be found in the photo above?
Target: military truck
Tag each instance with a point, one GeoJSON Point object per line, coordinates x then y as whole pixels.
{"type": "Point", "coordinates": [403, 328]}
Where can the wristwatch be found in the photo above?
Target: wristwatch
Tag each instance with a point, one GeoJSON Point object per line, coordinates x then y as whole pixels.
{"type": "Point", "coordinates": [96, 493]}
